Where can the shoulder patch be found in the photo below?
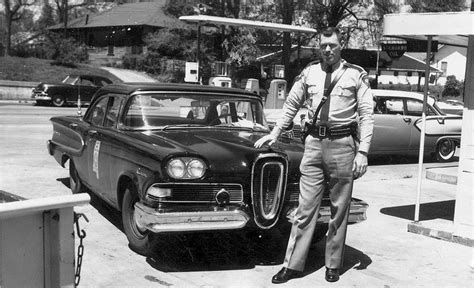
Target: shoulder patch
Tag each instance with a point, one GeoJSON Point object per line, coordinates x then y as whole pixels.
{"type": "Point", "coordinates": [365, 79]}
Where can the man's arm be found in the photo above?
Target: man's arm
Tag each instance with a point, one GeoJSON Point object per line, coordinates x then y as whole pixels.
{"type": "Point", "coordinates": [366, 125]}
{"type": "Point", "coordinates": [292, 104]}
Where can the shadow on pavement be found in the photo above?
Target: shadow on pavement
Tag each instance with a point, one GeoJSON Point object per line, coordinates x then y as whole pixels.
{"type": "Point", "coordinates": [217, 250]}
{"type": "Point", "coordinates": [428, 211]}
{"type": "Point", "coordinates": [353, 258]}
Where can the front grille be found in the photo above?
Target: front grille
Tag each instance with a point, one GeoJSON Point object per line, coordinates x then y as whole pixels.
{"type": "Point", "coordinates": [269, 174]}
{"type": "Point", "coordinates": [199, 193]}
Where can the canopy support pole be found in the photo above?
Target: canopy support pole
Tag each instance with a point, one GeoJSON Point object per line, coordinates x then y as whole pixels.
{"type": "Point", "coordinates": [423, 127]}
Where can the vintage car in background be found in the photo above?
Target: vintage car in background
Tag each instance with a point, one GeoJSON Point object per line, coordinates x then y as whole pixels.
{"type": "Point", "coordinates": [69, 90]}
{"type": "Point", "coordinates": [177, 157]}
{"type": "Point", "coordinates": [397, 126]}
{"type": "Point", "coordinates": [451, 106]}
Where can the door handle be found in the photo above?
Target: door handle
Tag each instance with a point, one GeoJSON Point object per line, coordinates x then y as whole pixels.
{"type": "Point", "coordinates": [73, 125]}
{"type": "Point", "coordinates": [407, 120]}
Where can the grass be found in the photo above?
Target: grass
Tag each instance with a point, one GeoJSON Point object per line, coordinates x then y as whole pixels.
{"type": "Point", "coordinates": [41, 70]}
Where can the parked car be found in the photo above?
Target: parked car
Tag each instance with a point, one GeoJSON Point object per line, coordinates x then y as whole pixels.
{"type": "Point", "coordinates": [69, 90]}
{"type": "Point", "coordinates": [177, 157]}
{"type": "Point", "coordinates": [397, 126]}
{"type": "Point", "coordinates": [451, 106]}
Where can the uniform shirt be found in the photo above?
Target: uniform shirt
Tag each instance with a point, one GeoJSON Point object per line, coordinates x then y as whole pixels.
{"type": "Point", "coordinates": [350, 100]}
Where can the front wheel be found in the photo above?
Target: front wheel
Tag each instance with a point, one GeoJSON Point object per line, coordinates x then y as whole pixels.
{"type": "Point", "coordinates": [139, 239]}
{"type": "Point", "coordinates": [58, 101]}
{"type": "Point", "coordinates": [445, 150]}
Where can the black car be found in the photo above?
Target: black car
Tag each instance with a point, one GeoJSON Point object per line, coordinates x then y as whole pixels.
{"type": "Point", "coordinates": [74, 86]}
{"type": "Point", "coordinates": [179, 158]}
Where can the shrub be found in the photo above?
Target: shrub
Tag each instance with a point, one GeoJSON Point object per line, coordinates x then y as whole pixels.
{"type": "Point", "coordinates": [66, 51]}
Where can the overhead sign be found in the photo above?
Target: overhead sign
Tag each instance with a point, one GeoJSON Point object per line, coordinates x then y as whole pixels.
{"type": "Point", "coordinates": [393, 46]}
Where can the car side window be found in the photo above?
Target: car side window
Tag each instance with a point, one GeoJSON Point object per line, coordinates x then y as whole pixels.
{"type": "Point", "coordinates": [388, 105]}
{"type": "Point", "coordinates": [96, 117]}
{"type": "Point", "coordinates": [87, 82]}
{"type": "Point", "coordinates": [113, 112]}
{"type": "Point", "coordinates": [415, 107]}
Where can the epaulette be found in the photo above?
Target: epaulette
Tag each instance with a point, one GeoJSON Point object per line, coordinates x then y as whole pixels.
{"type": "Point", "coordinates": [353, 66]}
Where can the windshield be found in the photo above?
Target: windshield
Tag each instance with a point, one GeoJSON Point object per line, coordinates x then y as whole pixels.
{"type": "Point", "coordinates": [70, 80]}
{"type": "Point", "coordinates": [177, 110]}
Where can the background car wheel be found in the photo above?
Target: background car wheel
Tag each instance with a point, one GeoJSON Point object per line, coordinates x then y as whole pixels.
{"type": "Point", "coordinates": [74, 181]}
{"type": "Point", "coordinates": [58, 101]}
{"type": "Point", "coordinates": [445, 150]}
{"type": "Point", "coordinates": [139, 240]}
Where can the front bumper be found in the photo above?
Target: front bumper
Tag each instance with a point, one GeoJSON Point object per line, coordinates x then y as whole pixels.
{"type": "Point", "coordinates": [40, 95]}
{"type": "Point", "coordinates": [222, 219]}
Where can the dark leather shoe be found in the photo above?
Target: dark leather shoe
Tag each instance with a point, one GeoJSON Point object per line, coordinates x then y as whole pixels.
{"type": "Point", "coordinates": [286, 274]}
{"type": "Point", "coordinates": [332, 275]}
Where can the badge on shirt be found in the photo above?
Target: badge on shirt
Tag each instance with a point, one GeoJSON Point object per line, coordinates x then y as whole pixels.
{"type": "Point", "coordinates": [312, 89]}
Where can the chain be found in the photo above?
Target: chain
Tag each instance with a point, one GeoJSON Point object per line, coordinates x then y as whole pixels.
{"type": "Point", "coordinates": [80, 249]}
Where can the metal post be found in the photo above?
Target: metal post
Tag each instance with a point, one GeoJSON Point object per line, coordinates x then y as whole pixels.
{"type": "Point", "coordinates": [198, 56]}
{"type": "Point", "coordinates": [423, 127]}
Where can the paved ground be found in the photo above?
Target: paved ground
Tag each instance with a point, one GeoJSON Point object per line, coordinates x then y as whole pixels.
{"type": "Point", "coordinates": [129, 75]}
{"type": "Point", "coordinates": [379, 252]}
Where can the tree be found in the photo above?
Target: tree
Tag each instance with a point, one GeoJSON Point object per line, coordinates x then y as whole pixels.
{"type": "Point", "coordinates": [453, 87]}
{"type": "Point", "coordinates": [14, 11]}
{"type": "Point", "coordinates": [47, 17]}
{"type": "Point", "coordinates": [419, 6]}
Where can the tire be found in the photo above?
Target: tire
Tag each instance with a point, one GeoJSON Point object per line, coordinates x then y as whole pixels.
{"type": "Point", "coordinates": [139, 240]}
{"type": "Point", "coordinates": [74, 181]}
{"type": "Point", "coordinates": [58, 101]}
{"type": "Point", "coordinates": [445, 150]}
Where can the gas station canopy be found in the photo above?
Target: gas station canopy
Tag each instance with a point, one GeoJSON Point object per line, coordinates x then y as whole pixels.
{"type": "Point", "coordinates": [206, 19]}
{"type": "Point", "coordinates": [451, 28]}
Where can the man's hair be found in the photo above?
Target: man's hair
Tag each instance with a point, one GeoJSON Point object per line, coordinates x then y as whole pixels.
{"type": "Point", "coordinates": [329, 31]}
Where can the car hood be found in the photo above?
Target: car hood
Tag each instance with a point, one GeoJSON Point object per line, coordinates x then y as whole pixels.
{"type": "Point", "coordinates": [225, 150]}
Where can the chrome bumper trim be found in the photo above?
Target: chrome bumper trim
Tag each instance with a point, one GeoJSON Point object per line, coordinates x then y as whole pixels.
{"type": "Point", "coordinates": [148, 218]}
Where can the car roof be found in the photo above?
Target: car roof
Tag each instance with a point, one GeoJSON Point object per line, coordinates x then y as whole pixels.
{"type": "Point", "coordinates": [129, 88]}
{"type": "Point", "coordinates": [401, 94]}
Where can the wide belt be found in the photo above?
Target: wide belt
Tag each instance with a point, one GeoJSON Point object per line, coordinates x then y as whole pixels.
{"type": "Point", "coordinates": [321, 131]}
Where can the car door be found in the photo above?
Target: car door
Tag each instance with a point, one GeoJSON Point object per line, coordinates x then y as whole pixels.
{"type": "Point", "coordinates": [93, 140]}
{"type": "Point", "coordinates": [110, 150]}
{"type": "Point", "coordinates": [86, 88]}
{"type": "Point", "coordinates": [392, 129]}
{"type": "Point", "coordinates": [434, 125]}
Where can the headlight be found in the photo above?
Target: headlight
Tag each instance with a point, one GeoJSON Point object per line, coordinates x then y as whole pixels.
{"type": "Point", "coordinates": [176, 168]}
{"type": "Point", "coordinates": [186, 168]}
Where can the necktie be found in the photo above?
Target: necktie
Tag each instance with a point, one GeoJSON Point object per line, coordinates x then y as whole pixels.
{"type": "Point", "coordinates": [325, 110]}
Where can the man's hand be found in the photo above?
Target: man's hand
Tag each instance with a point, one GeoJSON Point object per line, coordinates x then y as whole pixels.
{"type": "Point", "coordinates": [270, 137]}
{"type": "Point", "coordinates": [360, 165]}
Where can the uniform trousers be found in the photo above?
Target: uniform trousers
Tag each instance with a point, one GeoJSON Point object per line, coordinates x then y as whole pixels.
{"type": "Point", "coordinates": [326, 164]}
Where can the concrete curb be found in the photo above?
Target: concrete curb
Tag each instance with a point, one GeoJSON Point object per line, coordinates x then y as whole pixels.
{"type": "Point", "coordinates": [439, 229]}
{"type": "Point", "coordinates": [445, 174]}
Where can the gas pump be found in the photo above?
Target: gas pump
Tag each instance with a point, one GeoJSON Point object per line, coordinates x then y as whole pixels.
{"type": "Point", "coordinates": [252, 86]}
{"type": "Point", "coordinates": [277, 91]}
{"type": "Point", "coordinates": [220, 73]}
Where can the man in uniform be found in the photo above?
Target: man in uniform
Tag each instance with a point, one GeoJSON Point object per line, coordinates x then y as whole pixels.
{"type": "Point", "coordinates": [335, 151]}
